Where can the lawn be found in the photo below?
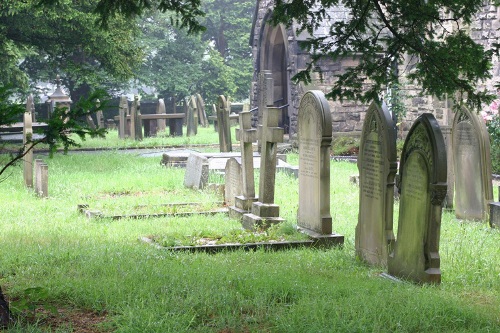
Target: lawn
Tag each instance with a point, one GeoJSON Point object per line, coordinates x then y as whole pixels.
{"type": "Point", "coordinates": [99, 277]}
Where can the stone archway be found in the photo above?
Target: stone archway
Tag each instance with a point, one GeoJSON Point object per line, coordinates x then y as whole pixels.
{"type": "Point", "coordinates": [273, 56]}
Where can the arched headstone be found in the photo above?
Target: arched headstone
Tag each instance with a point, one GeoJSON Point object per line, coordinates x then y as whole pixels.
{"type": "Point", "coordinates": [422, 187]}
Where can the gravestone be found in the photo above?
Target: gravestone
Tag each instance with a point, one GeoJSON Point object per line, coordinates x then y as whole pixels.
{"type": "Point", "coordinates": [27, 142]}
{"type": "Point", "coordinates": [41, 178]}
{"type": "Point", "coordinates": [90, 122]}
{"type": "Point", "coordinates": [161, 109]}
{"type": "Point", "coordinates": [422, 187]}
{"type": "Point", "coordinates": [472, 164]}
{"type": "Point", "coordinates": [265, 212]}
{"type": "Point", "coordinates": [135, 120]}
{"type": "Point", "coordinates": [246, 135]}
{"type": "Point", "coordinates": [315, 138]}
{"type": "Point", "coordinates": [223, 125]}
{"type": "Point", "coordinates": [123, 111]}
{"type": "Point", "coordinates": [450, 194]}
{"type": "Point", "coordinates": [196, 175]}
{"type": "Point", "coordinates": [202, 115]}
{"type": "Point", "coordinates": [233, 182]}
{"type": "Point", "coordinates": [192, 117]}
{"type": "Point", "coordinates": [377, 165]}
{"type": "Point", "coordinates": [495, 214]}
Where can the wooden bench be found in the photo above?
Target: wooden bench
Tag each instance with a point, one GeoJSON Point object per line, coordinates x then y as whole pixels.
{"type": "Point", "coordinates": [149, 122]}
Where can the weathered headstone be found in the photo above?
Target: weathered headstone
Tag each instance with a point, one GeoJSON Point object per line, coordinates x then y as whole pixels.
{"type": "Point", "coordinates": [472, 164]}
{"type": "Point", "coordinates": [495, 214]}
{"type": "Point", "coordinates": [422, 185]}
{"type": "Point", "coordinates": [202, 115]}
{"type": "Point", "coordinates": [192, 117]}
{"type": "Point", "coordinates": [315, 137]}
{"type": "Point", "coordinates": [233, 185]}
{"type": "Point", "coordinates": [377, 165]}
{"type": "Point", "coordinates": [135, 120]}
{"type": "Point", "coordinates": [90, 122]}
{"type": "Point", "coordinates": [196, 175]}
{"type": "Point", "coordinates": [27, 138]}
{"type": "Point", "coordinates": [265, 212]}
{"type": "Point", "coordinates": [161, 109]}
{"type": "Point", "coordinates": [223, 125]}
{"type": "Point", "coordinates": [246, 135]}
{"type": "Point", "coordinates": [123, 111]}
{"type": "Point", "coordinates": [41, 178]}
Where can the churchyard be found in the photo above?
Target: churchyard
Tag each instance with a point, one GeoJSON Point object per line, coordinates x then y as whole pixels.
{"type": "Point", "coordinates": [70, 272]}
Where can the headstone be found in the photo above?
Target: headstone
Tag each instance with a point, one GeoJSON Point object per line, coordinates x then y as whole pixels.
{"type": "Point", "coordinates": [90, 122]}
{"type": "Point", "coordinates": [447, 135]}
{"type": "Point", "coordinates": [214, 118]}
{"type": "Point", "coordinates": [377, 165]}
{"type": "Point", "coordinates": [135, 120]}
{"type": "Point", "coordinates": [495, 215]}
{"type": "Point", "coordinates": [161, 109]}
{"type": "Point", "coordinates": [123, 111]}
{"type": "Point", "coordinates": [27, 142]}
{"type": "Point", "coordinates": [100, 116]}
{"type": "Point", "coordinates": [202, 115]}
{"type": "Point", "coordinates": [41, 178]}
{"type": "Point", "coordinates": [265, 212]}
{"type": "Point", "coordinates": [223, 124]}
{"type": "Point", "coordinates": [192, 117]}
{"type": "Point", "coordinates": [233, 181]}
{"type": "Point", "coordinates": [315, 138]}
{"type": "Point", "coordinates": [196, 175]}
{"type": "Point", "coordinates": [472, 164]}
{"type": "Point", "coordinates": [422, 185]}
{"type": "Point", "coordinates": [246, 135]}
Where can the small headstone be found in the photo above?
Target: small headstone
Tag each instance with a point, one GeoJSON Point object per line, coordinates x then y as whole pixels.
{"type": "Point", "coordinates": [196, 175]}
{"type": "Point", "coordinates": [123, 111]}
{"type": "Point", "coordinates": [233, 181]}
{"type": "Point", "coordinates": [27, 139]}
{"type": "Point", "coordinates": [495, 215]}
{"type": "Point", "coordinates": [223, 124]}
{"type": "Point", "coordinates": [422, 184]}
{"type": "Point", "coordinates": [315, 137]}
{"type": "Point", "coordinates": [377, 165]}
{"type": "Point", "coordinates": [472, 164]}
{"type": "Point", "coordinates": [41, 178]}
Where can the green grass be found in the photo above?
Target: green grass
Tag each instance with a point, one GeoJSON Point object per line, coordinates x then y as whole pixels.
{"type": "Point", "coordinates": [99, 265]}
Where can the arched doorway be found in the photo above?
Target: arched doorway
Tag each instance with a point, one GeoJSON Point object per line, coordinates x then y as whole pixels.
{"type": "Point", "coordinates": [273, 56]}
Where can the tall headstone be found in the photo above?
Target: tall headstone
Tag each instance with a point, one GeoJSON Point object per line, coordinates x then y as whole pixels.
{"type": "Point", "coordinates": [196, 175]}
{"type": "Point", "coordinates": [246, 135]}
{"type": "Point", "coordinates": [377, 165]}
{"type": "Point", "coordinates": [202, 115]}
{"type": "Point", "coordinates": [265, 212]}
{"type": "Point", "coordinates": [223, 125]}
{"type": "Point", "coordinates": [192, 117]}
{"type": "Point", "coordinates": [123, 111]}
{"type": "Point", "coordinates": [472, 164]}
{"type": "Point", "coordinates": [41, 178]}
{"type": "Point", "coordinates": [233, 181]}
{"type": "Point", "coordinates": [422, 185]}
{"type": "Point", "coordinates": [135, 120]}
{"type": "Point", "coordinates": [27, 142]}
{"type": "Point", "coordinates": [161, 109]}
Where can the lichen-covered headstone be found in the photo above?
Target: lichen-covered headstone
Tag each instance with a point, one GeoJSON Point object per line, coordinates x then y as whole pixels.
{"type": "Point", "coordinates": [315, 137]}
{"type": "Point", "coordinates": [377, 167]}
{"type": "Point", "coordinates": [472, 166]}
{"type": "Point", "coordinates": [422, 189]}
{"type": "Point", "coordinates": [196, 175]}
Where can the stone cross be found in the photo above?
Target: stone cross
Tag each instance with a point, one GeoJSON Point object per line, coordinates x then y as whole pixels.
{"type": "Point", "coordinates": [27, 142]}
{"type": "Point", "coordinates": [422, 173]}
{"type": "Point", "coordinates": [123, 111]}
{"type": "Point", "coordinates": [224, 125]}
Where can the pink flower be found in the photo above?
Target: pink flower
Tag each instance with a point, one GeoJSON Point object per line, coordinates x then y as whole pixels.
{"type": "Point", "coordinates": [494, 105]}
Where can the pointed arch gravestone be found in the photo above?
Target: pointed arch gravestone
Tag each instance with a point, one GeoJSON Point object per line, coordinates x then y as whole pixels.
{"type": "Point", "coordinates": [315, 138]}
{"type": "Point", "coordinates": [472, 164]}
{"type": "Point", "coordinates": [422, 187]}
{"type": "Point", "coordinates": [377, 165]}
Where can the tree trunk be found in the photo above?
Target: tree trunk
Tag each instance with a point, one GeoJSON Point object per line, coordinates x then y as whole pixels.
{"type": "Point", "coordinates": [5, 316]}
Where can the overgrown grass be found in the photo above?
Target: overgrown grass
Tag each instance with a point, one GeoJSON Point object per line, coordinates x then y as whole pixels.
{"type": "Point", "coordinates": [101, 266]}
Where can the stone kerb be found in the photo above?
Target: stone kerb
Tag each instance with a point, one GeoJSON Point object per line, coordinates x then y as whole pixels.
{"type": "Point", "coordinates": [377, 165]}
{"type": "Point", "coordinates": [27, 138]}
{"type": "Point", "coordinates": [423, 188]}
{"type": "Point", "coordinates": [196, 175]}
{"type": "Point", "coordinates": [472, 166]}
